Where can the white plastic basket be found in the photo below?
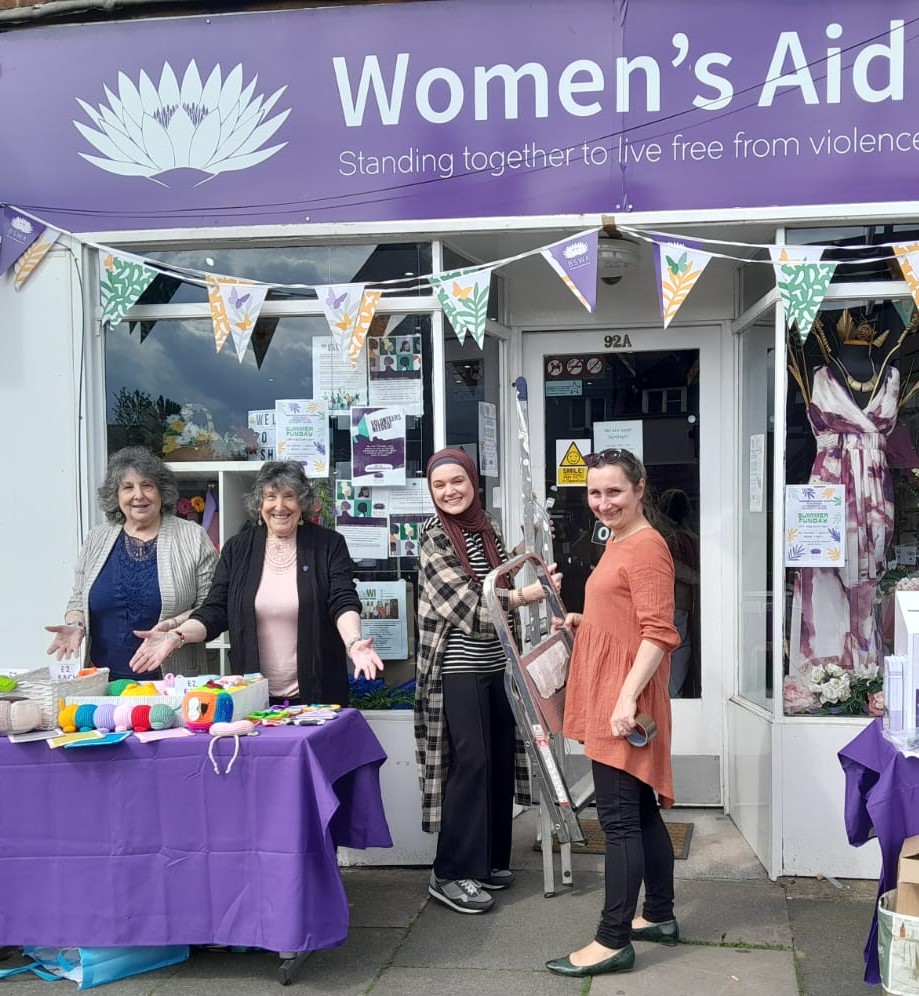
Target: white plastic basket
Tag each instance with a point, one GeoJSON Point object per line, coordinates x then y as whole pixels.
{"type": "Point", "coordinates": [49, 694]}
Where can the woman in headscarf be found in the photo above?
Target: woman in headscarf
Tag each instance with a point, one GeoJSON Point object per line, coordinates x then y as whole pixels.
{"type": "Point", "coordinates": [464, 730]}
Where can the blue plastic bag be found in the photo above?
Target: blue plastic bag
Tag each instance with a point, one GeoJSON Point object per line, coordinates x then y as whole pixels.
{"type": "Point", "coordinates": [90, 967]}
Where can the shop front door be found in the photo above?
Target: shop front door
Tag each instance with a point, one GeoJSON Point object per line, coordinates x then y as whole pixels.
{"type": "Point", "coordinates": [656, 396]}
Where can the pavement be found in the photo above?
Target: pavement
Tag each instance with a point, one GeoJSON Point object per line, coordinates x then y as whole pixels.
{"type": "Point", "coordinates": [742, 934]}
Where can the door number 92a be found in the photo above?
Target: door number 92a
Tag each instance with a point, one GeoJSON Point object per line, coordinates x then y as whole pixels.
{"type": "Point", "coordinates": [617, 341]}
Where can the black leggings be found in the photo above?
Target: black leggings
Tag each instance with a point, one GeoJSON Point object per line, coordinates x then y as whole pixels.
{"type": "Point", "coordinates": [638, 848]}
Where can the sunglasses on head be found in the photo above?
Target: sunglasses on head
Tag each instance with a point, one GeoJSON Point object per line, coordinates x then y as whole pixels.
{"type": "Point", "coordinates": [607, 457]}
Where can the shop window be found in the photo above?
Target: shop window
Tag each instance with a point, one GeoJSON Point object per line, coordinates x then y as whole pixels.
{"type": "Point", "coordinates": [472, 388]}
{"type": "Point", "coordinates": [852, 415]}
{"type": "Point", "coordinates": [863, 251]}
{"type": "Point", "coordinates": [292, 265]}
{"type": "Point", "coordinates": [167, 389]}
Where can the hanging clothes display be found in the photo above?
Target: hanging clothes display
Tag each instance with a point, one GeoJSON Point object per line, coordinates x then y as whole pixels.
{"type": "Point", "coordinates": [833, 618]}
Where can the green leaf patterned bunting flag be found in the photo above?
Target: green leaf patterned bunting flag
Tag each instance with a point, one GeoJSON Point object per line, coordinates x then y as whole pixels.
{"type": "Point", "coordinates": [802, 285]}
{"type": "Point", "coordinates": [122, 279]}
{"type": "Point", "coordinates": [463, 295]}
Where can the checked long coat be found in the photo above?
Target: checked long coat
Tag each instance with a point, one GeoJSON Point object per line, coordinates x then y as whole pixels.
{"type": "Point", "coordinates": [448, 599]}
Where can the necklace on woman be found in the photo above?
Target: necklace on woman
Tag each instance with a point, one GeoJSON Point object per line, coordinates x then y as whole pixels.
{"type": "Point", "coordinates": [860, 386]}
{"type": "Point", "coordinates": [280, 554]}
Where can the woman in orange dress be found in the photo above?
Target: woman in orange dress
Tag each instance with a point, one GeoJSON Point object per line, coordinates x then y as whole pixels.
{"type": "Point", "coordinates": [620, 667]}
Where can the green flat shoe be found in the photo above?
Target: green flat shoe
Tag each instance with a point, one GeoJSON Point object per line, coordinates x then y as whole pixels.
{"type": "Point", "coordinates": [622, 961]}
{"type": "Point", "coordinates": [667, 932]}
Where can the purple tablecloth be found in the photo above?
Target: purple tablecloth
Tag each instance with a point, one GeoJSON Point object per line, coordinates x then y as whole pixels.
{"type": "Point", "coordinates": [882, 799]}
{"type": "Point", "coordinates": [144, 844]}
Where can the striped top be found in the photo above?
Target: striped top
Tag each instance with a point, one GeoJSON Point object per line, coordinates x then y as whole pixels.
{"type": "Point", "coordinates": [463, 654]}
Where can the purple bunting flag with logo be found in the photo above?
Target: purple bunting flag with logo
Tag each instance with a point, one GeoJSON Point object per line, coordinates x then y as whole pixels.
{"type": "Point", "coordinates": [17, 233]}
{"type": "Point", "coordinates": [575, 261]}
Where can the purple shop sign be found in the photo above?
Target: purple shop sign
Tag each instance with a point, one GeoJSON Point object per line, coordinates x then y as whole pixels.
{"type": "Point", "coordinates": [451, 109]}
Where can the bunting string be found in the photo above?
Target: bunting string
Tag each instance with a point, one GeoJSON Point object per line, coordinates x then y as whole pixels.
{"type": "Point", "coordinates": [801, 277]}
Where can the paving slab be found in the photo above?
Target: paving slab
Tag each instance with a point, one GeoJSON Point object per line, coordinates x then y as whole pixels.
{"type": "Point", "coordinates": [696, 970]}
{"type": "Point", "coordinates": [829, 937]}
{"type": "Point", "coordinates": [721, 912]}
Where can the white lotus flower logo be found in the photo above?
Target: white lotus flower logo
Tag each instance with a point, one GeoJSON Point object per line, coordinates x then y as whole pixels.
{"type": "Point", "coordinates": [214, 127]}
{"type": "Point", "coordinates": [20, 224]}
{"type": "Point", "coordinates": [575, 249]}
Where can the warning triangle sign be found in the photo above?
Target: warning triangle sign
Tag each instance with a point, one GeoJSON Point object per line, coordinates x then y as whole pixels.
{"type": "Point", "coordinates": [573, 457]}
{"type": "Point", "coordinates": [570, 466]}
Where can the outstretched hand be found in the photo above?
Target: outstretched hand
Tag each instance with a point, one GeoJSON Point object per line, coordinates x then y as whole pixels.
{"type": "Point", "coordinates": [366, 660]}
{"type": "Point", "coordinates": [151, 654]}
{"type": "Point", "coordinates": [66, 642]}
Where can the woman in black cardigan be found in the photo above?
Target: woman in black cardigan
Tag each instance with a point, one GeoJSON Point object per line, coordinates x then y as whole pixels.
{"type": "Point", "coordinates": [285, 591]}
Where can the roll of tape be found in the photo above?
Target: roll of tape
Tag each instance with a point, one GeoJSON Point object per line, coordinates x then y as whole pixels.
{"type": "Point", "coordinates": [645, 731]}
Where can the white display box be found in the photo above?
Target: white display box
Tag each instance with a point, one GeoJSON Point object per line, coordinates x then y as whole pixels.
{"type": "Point", "coordinates": [903, 707]}
{"type": "Point", "coordinates": [395, 729]}
{"type": "Point", "coordinates": [248, 699]}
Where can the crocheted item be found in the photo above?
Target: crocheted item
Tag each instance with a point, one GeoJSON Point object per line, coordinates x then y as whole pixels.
{"type": "Point", "coordinates": [162, 716]}
{"type": "Point", "coordinates": [19, 715]}
{"type": "Point", "coordinates": [140, 718]}
{"type": "Point", "coordinates": [104, 719]}
{"type": "Point", "coordinates": [66, 719]}
{"type": "Point", "coordinates": [203, 706]}
{"type": "Point", "coordinates": [147, 689]}
{"type": "Point", "coordinates": [7, 684]}
{"type": "Point", "coordinates": [84, 718]}
{"type": "Point", "coordinates": [118, 686]}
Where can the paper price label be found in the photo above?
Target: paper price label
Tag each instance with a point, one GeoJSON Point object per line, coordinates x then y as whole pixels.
{"type": "Point", "coordinates": [63, 670]}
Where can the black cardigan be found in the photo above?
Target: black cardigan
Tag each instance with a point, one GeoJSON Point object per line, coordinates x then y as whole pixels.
{"type": "Point", "coordinates": [325, 589]}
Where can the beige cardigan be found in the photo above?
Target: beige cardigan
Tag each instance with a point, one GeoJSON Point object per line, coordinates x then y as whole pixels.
{"type": "Point", "coordinates": [185, 561]}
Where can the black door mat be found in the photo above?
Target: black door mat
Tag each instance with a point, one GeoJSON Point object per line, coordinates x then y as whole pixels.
{"type": "Point", "coordinates": [595, 842]}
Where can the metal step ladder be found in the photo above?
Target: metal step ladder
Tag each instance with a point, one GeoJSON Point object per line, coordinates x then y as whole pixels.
{"type": "Point", "coordinates": [544, 654]}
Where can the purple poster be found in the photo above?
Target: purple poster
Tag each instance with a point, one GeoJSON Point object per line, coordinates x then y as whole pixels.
{"type": "Point", "coordinates": [448, 109]}
{"type": "Point", "coordinates": [377, 446]}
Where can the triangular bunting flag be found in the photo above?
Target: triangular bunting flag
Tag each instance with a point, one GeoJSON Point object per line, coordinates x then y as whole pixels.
{"type": "Point", "coordinates": [463, 295]}
{"type": "Point", "coordinates": [802, 283]}
{"type": "Point", "coordinates": [261, 339]}
{"type": "Point", "coordinates": [908, 258]}
{"type": "Point", "coordinates": [905, 310]}
{"type": "Point", "coordinates": [235, 307]}
{"type": "Point", "coordinates": [122, 280]}
{"type": "Point", "coordinates": [341, 304]}
{"type": "Point", "coordinates": [17, 233]}
{"type": "Point", "coordinates": [25, 266]}
{"type": "Point", "coordinates": [369, 301]}
{"type": "Point", "coordinates": [575, 261]}
{"type": "Point", "coordinates": [679, 266]}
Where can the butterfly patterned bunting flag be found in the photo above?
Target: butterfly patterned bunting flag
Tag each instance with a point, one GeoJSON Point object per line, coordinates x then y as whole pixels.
{"type": "Point", "coordinates": [802, 281]}
{"type": "Point", "coordinates": [122, 280]}
{"type": "Point", "coordinates": [235, 306]}
{"type": "Point", "coordinates": [679, 266]}
{"type": "Point", "coordinates": [463, 294]}
{"type": "Point", "coordinates": [908, 258]}
{"type": "Point", "coordinates": [575, 261]}
{"type": "Point", "coordinates": [27, 263]}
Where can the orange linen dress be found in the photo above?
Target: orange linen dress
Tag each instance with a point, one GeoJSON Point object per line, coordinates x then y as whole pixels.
{"type": "Point", "coordinates": [628, 598]}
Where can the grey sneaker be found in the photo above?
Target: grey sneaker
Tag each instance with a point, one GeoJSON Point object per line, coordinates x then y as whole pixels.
{"type": "Point", "coordinates": [462, 895]}
{"type": "Point", "coordinates": [500, 878]}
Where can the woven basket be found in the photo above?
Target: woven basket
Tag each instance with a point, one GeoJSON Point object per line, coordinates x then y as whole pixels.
{"type": "Point", "coordinates": [185, 453]}
{"type": "Point", "coordinates": [38, 685]}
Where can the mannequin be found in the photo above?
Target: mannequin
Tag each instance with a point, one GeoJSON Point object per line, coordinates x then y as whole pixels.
{"type": "Point", "coordinates": [852, 400]}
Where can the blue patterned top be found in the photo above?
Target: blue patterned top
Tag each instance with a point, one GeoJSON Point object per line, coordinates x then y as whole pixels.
{"type": "Point", "coordinates": [124, 597]}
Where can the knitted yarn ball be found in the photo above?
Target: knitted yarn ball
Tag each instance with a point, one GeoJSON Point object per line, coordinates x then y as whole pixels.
{"type": "Point", "coordinates": [66, 719]}
{"type": "Point", "coordinates": [140, 718]}
{"type": "Point", "coordinates": [19, 715]}
{"type": "Point", "coordinates": [104, 719]}
{"type": "Point", "coordinates": [118, 686]}
{"type": "Point", "coordinates": [162, 716]}
{"type": "Point", "coordinates": [122, 717]}
{"type": "Point", "coordinates": [83, 718]}
{"type": "Point", "coordinates": [148, 688]}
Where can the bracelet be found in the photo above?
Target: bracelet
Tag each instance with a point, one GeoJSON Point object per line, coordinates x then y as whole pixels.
{"type": "Point", "coordinates": [350, 644]}
{"type": "Point", "coordinates": [180, 635]}
{"type": "Point", "coordinates": [522, 596]}
{"type": "Point", "coordinates": [76, 622]}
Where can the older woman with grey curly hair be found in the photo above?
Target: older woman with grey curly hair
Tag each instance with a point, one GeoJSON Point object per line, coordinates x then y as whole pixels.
{"type": "Point", "coordinates": [284, 588]}
{"type": "Point", "coordinates": [143, 569]}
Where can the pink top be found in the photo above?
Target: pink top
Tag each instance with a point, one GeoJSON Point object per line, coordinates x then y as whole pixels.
{"type": "Point", "coordinates": [276, 607]}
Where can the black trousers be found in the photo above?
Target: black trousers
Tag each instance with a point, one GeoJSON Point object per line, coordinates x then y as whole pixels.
{"type": "Point", "coordinates": [638, 848]}
{"type": "Point", "coordinates": [477, 811]}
